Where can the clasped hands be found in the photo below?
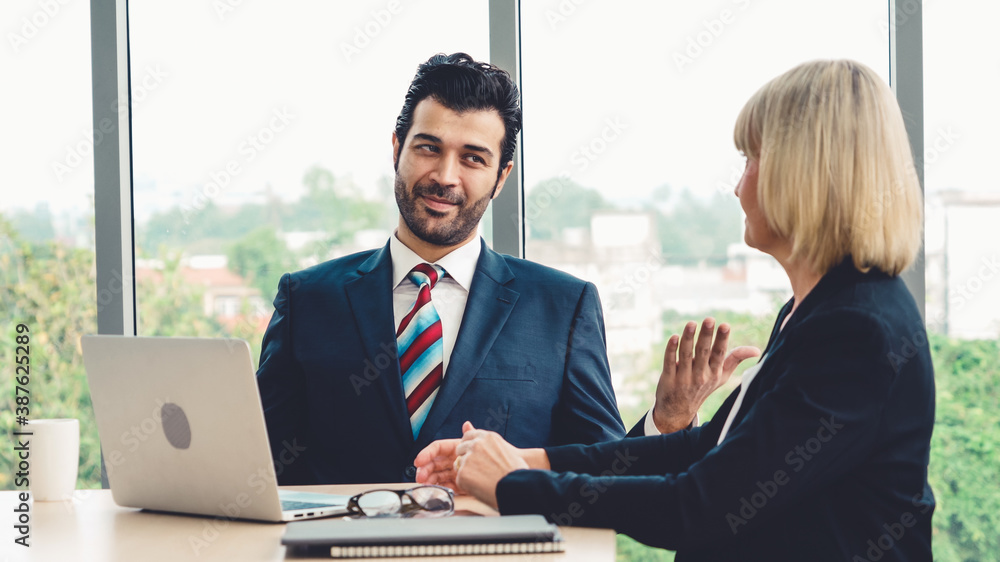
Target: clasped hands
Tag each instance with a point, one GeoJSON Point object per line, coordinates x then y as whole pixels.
{"type": "Point", "coordinates": [692, 370]}
{"type": "Point", "coordinates": [475, 463]}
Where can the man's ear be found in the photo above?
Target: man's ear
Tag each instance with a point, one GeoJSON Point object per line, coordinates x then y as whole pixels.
{"type": "Point", "coordinates": [395, 150]}
{"type": "Point", "coordinates": [502, 179]}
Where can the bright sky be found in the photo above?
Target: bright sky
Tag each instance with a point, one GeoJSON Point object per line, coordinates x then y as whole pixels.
{"type": "Point", "coordinates": [331, 77]}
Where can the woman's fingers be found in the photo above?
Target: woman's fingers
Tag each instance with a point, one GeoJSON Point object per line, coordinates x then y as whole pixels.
{"type": "Point", "coordinates": [737, 356]}
{"type": "Point", "coordinates": [686, 350]}
{"type": "Point", "coordinates": [718, 354]}
{"type": "Point", "coordinates": [670, 356]}
{"type": "Point", "coordinates": [703, 346]}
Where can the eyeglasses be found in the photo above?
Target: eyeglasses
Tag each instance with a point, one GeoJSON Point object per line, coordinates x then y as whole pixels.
{"type": "Point", "coordinates": [421, 501]}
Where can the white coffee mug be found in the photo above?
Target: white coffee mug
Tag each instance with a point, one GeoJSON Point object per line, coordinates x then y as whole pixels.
{"type": "Point", "coordinates": [54, 457]}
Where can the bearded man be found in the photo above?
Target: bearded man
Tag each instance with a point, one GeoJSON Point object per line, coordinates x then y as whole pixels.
{"type": "Point", "coordinates": [370, 357]}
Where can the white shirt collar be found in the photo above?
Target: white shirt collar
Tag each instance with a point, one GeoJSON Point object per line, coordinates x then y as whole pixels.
{"type": "Point", "coordinates": [460, 263]}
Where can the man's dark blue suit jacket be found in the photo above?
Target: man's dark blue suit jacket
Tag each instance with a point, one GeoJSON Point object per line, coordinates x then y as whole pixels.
{"type": "Point", "coordinates": [530, 363]}
{"type": "Point", "coordinates": [826, 458]}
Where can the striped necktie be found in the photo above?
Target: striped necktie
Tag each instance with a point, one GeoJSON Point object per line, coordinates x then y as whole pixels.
{"type": "Point", "coordinates": [421, 350]}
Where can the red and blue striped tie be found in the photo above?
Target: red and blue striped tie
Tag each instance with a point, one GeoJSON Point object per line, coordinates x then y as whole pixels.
{"type": "Point", "coordinates": [421, 350]}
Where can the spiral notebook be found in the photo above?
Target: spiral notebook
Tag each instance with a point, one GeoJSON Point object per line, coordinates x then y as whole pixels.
{"type": "Point", "coordinates": [374, 538]}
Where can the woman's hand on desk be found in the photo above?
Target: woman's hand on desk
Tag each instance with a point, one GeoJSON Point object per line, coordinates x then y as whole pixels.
{"type": "Point", "coordinates": [475, 463]}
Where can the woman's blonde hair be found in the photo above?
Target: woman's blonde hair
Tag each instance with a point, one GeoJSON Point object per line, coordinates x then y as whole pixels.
{"type": "Point", "coordinates": [836, 174]}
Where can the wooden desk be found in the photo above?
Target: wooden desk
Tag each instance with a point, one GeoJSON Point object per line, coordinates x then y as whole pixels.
{"type": "Point", "coordinates": [92, 527]}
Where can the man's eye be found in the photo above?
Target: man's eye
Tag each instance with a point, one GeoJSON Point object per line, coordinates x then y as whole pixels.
{"type": "Point", "coordinates": [476, 158]}
{"type": "Point", "coordinates": [427, 147]}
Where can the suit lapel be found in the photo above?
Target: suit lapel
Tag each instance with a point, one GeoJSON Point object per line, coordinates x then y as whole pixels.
{"type": "Point", "coordinates": [486, 311]}
{"type": "Point", "coordinates": [370, 299]}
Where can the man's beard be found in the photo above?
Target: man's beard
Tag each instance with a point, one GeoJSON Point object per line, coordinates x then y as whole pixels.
{"type": "Point", "coordinates": [457, 230]}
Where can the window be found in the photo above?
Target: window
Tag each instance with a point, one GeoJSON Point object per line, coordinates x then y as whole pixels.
{"type": "Point", "coordinates": [262, 145]}
{"type": "Point", "coordinates": [963, 203]}
{"type": "Point", "coordinates": [961, 119]}
{"type": "Point", "coordinates": [46, 218]}
{"type": "Point", "coordinates": [629, 160]}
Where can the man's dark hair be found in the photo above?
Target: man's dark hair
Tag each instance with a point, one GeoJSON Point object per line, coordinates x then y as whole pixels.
{"type": "Point", "coordinates": [461, 84]}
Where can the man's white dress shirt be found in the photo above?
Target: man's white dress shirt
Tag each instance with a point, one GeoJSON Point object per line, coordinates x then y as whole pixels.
{"type": "Point", "coordinates": [449, 295]}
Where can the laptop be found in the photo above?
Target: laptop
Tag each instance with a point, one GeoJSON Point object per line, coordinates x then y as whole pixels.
{"type": "Point", "coordinates": [182, 430]}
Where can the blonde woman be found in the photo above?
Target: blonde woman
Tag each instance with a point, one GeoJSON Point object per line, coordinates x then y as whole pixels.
{"type": "Point", "coordinates": [821, 453]}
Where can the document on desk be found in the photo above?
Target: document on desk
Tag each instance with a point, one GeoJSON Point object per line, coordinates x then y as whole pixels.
{"type": "Point", "coordinates": [374, 538]}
